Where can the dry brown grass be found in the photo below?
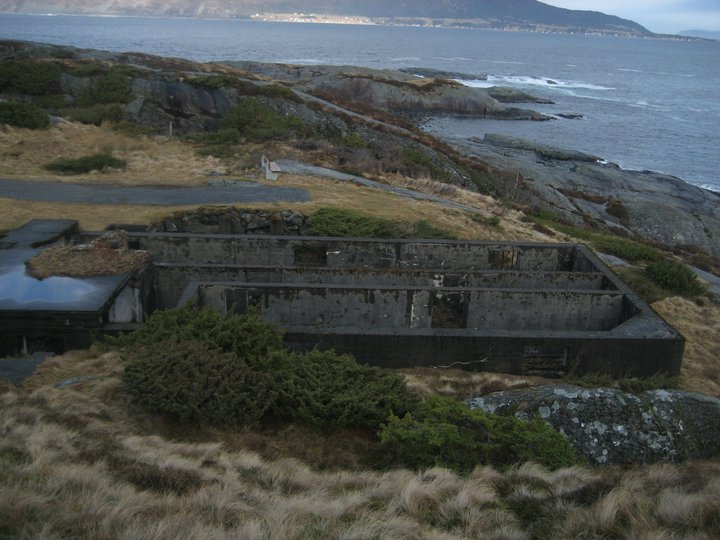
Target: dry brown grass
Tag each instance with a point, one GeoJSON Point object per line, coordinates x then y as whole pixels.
{"type": "Point", "coordinates": [78, 461]}
{"type": "Point", "coordinates": [326, 192]}
{"type": "Point", "coordinates": [162, 161]}
{"type": "Point", "coordinates": [85, 261]}
{"type": "Point", "coordinates": [151, 160]}
{"type": "Point", "coordinates": [92, 217]}
{"type": "Point", "coordinates": [465, 384]}
{"type": "Point", "coordinates": [700, 325]}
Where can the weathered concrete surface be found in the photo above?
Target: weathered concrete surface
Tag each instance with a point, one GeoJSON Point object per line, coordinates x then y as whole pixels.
{"type": "Point", "coordinates": [332, 252]}
{"type": "Point", "coordinates": [38, 232]}
{"type": "Point", "coordinates": [148, 195]}
{"type": "Point", "coordinates": [341, 308]}
{"type": "Point", "coordinates": [171, 278]}
{"type": "Point", "coordinates": [611, 426]}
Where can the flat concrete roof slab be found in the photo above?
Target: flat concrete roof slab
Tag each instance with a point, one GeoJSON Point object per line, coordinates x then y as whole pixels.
{"type": "Point", "coordinates": [38, 232]}
{"type": "Point", "coordinates": [20, 291]}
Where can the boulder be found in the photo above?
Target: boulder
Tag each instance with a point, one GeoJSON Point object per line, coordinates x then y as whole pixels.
{"type": "Point", "coordinates": [607, 425]}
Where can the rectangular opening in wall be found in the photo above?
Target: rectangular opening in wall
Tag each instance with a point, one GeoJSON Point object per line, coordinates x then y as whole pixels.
{"type": "Point", "coordinates": [503, 259]}
{"type": "Point", "coordinates": [310, 255]}
{"type": "Point", "coordinates": [544, 361]}
{"type": "Point", "coordinates": [448, 310]}
{"type": "Point", "coordinates": [236, 301]}
{"type": "Point", "coordinates": [241, 300]}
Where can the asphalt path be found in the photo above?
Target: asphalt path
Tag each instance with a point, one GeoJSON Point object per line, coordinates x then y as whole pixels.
{"type": "Point", "coordinates": [240, 192]}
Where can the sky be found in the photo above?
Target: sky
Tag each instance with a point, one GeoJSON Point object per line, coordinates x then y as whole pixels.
{"type": "Point", "coordinates": [662, 16]}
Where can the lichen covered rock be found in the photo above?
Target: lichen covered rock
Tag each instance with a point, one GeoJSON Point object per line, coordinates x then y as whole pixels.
{"type": "Point", "coordinates": [611, 426]}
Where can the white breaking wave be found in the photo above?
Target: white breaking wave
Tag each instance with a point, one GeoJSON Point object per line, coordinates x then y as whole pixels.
{"type": "Point", "coordinates": [522, 80]}
{"type": "Point", "coordinates": [710, 187]}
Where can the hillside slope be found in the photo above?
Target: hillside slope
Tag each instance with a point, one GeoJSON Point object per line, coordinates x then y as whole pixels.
{"type": "Point", "coordinates": [493, 13]}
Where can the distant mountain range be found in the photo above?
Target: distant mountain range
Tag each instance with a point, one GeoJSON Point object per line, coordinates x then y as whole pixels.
{"type": "Point", "coordinates": [503, 14]}
{"type": "Point", "coordinates": [701, 34]}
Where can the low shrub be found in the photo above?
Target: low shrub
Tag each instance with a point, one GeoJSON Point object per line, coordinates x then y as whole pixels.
{"type": "Point", "coordinates": [446, 432]}
{"type": "Point", "coordinates": [607, 243]}
{"type": "Point", "coordinates": [415, 156]}
{"type": "Point", "coordinates": [114, 86]}
{"type": "Point", "coordinates": [675, 277]}
{"type": "Point", "coordinates": [259, 122]}
{"type": "Point", "coordinates": [624, 248]}
{"type": "Point", "coordinates": [640, 283]}
{"type": "Point", "coordinates": [199, 366]}
{"type": "Point", "coordinates": [186, 380]}
{"type": "Point", "coordinates": [85, 164]}
{"type": "Point", "coordinates": [36, 78]}
{"type": "Point", "coordinates": [341, 222]}
{"type": "Point", "coordinates": [331, 391]}
{"type": "Point", "coordinates": [23, 115]}
{"type": "Point", "coordinates": [249, 337]}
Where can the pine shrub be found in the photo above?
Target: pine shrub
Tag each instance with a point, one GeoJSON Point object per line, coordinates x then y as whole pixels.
{"type": "Point", "coordinates": [85, 164]}
{"type": "Point", "coordinates": [341, 222]}
{"type": "Point", "coordinates": [199, 366]}
{"type": "Point", "coordinates": [192, 383]}
{"type": "Point", "coordinates": [331, 391]}
{"type": "Point", "coordinates": [259, 122]}
{"type": "Point", "coordinates": [675, 277]}
{"type": "Point", "coordinates": [36, 78]}
{"type": "Point", "coordinates": [249, 337]}
{"type": "Point", "coordinates": [23, 115]}
{"type": "Point", "coordinates": [446, 432]}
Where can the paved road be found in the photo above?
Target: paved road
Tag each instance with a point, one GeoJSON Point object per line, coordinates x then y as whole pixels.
{"type": "Point", "coordinates": [242, 192]}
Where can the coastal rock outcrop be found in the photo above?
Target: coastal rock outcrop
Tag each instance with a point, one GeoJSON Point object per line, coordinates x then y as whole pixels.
{"type": "Point", "coordinates": [606, 425]}
{"type": "Point", "coordinates": [399, 92]}
{"type": "Point", "coordinates": [657, 207]}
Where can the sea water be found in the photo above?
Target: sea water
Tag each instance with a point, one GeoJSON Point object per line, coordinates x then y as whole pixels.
{"type": "Point", "coordinates": [645, 103]}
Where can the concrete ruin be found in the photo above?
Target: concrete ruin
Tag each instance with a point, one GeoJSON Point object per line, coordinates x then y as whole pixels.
{"type": "Point", "coordinates": [535, 309]}
{"type": "Point", "coordinates": [61, 312]}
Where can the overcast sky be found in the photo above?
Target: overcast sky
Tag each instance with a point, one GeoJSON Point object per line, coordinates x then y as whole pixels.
{"type": "Point", "coordinates": [665, 16]}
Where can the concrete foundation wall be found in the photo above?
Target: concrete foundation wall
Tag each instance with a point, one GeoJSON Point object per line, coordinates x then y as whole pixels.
{"type": "Point", "coordinates": [171, 278]}
{"type": "Point", "coordinates": [251, 250]}
{"type": "Point", "coordinates": [317, 307]}
{"type": "Point", "coordinates": [520, 308]}
{"type": "Point", "coordinates": [520, 353]}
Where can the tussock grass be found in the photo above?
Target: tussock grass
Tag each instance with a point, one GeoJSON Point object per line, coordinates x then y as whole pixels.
{"type": "Point", "coordinates": [464, 384]}
{"type": "Point", "coordinates": [77, 460]}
